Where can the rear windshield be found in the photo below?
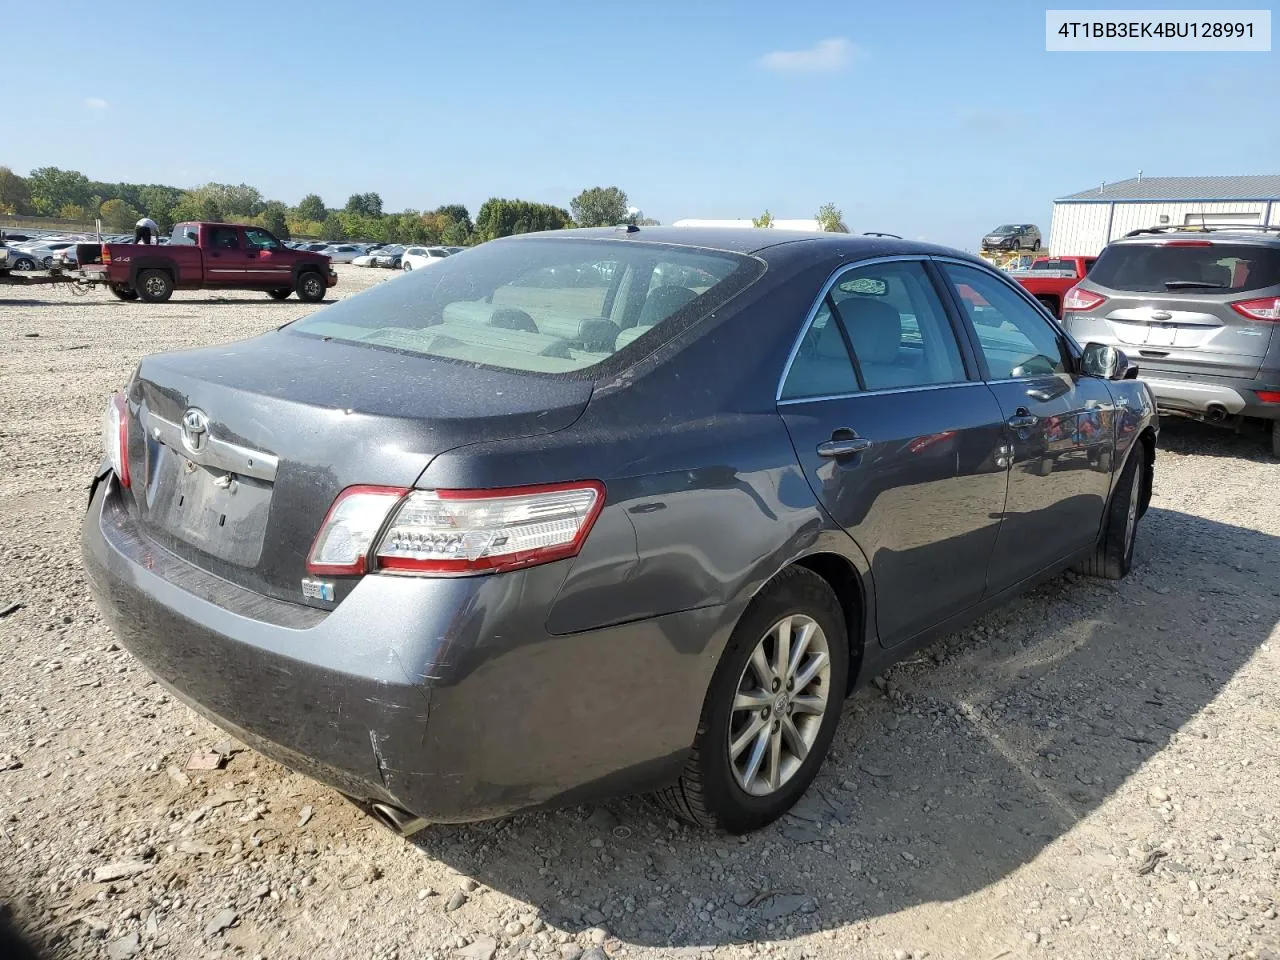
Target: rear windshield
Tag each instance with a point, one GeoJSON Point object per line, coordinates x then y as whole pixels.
{"type": "Point", "coordinates": [540, 305]}
{"type": "Point", "coordinates": [1220, 267]}
{"type": "Point", "coordinates": [1054, 265]}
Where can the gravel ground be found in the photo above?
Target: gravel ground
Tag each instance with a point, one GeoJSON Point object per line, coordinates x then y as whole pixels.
{"type": "Point", "coordinates": [1089, 772]}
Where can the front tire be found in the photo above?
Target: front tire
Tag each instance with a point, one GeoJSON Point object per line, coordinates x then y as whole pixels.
{"type": "Point", "coordinates": [406, 266]}
{"type": "Point", "coordinates": [1275, 439]}
{"type": "Point", "coordinates": [154, 286]}
{"type": "Point", "coordinates": [1113, 557]}
{"type": "Point", "coordinates": [771, 711]}
{"type": "Point", "coordinates": [24, 263]}
{"type": "Point", "coordinates": [310, 287]}
{"type": "Point", "coordinates": [281, 294]}
{"type": "Point", "coordinates": [1035, 247]}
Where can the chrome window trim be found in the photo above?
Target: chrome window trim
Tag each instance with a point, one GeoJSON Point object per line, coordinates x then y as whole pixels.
{"type": "Point", "coordinates": [883, 391]}
{"type": "Point", "coordinates": [813, 315]}
{"type": "Point", "coordinates": [219, 454]}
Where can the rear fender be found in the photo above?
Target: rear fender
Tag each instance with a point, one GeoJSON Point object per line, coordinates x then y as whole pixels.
{"type": "Point", "coordinates": [139, 264]}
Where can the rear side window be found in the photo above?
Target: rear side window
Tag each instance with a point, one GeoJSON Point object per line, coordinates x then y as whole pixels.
{"type": "Point", "coordinates": [1215, 268]}
{"type": "Point", "coordinates": [540, 305]}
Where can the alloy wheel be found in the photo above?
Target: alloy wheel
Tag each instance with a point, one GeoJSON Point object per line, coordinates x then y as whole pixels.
{"type": "Point", "coordinates": [782, 696]}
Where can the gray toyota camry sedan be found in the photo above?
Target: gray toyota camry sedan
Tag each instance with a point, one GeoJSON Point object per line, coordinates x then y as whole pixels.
{"type": "Point", "coordinates": [578, 514]}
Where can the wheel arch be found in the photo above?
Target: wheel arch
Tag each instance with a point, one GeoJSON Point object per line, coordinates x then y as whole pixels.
{"type": "Point", "coordinates": [847, 583]}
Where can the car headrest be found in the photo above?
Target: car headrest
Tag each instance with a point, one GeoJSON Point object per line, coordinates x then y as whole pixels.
{"type": "Point", "coordinates": [874, 327]}
{"type": "Point", "coordinates": [662, 302]}
{"type": "Point", "coordinates": [507, 318]}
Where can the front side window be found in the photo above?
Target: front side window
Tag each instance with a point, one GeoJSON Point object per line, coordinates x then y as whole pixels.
{"type": "Point", "coordinates": [260, 239]}
{"type": "Point", "coordinates": [1016, 340]}
{"type": "Point", "coordinates": [539, 305]}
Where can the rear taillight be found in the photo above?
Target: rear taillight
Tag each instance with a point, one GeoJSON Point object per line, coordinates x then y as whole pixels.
{"type": "Point", "coordinates": [342, 545]}
{"type": "Point", "coordinates": [106, 254]}
{"type": "Point", "coordinates": [1078, 299]}
{"type": "Point", "coordinates": [115, 436]}
{"type": "Point", "coordinates": [1267, 308]}
{"type": "Point", "coordinates": [470, 531]}
{"type": "Point", "coordinates": [1269, 396]}
{"type": "Point", "coordinates": [454, 531]}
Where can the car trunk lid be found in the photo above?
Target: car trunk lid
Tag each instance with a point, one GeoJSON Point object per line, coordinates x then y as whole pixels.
{"type": "Point", "coordinates": [240, 450]}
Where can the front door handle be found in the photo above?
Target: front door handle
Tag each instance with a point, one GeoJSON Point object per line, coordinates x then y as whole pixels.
{"type": "Point", "coordinates": [1022, 419]}
{"type": "Point", "coordinates": [835, 449]}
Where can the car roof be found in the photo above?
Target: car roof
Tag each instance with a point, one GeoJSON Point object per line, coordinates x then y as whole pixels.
{"type": "Point", "coordinates": [751, 241]}
{"type": "Point", "coordinates": [1237, 233]}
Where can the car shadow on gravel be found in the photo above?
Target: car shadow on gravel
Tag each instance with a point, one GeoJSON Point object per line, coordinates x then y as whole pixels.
{"type": "Point", "coordinates": [1252, 442]}
{"type": "Point", "coordinates": [975, 756]}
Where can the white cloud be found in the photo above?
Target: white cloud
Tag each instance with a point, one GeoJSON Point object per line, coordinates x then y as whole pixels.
{"type": "Point", "coordinates": [96, 103]}
{"type": "Point", "coordinates": [826, 56]}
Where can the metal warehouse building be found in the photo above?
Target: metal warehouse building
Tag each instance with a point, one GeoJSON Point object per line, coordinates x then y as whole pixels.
{"type": "Point", "coordinates": [1083, 223]}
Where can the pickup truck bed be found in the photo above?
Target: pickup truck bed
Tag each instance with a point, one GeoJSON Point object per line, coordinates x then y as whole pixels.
{"type": "Point", "coordinates": [1049, 279]}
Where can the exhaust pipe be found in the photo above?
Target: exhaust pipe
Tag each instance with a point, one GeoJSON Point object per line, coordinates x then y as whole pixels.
{"type": "Point", "coordinates": [401, 821]}
{"type": "Point", "coordinates": [1216, 413]}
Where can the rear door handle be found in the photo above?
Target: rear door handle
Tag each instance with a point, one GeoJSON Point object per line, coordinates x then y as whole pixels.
{"type": "Point", "coordinates": [843, 448]}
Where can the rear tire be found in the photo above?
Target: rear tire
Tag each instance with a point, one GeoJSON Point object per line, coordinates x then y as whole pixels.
{"type": "Point", "coordinates": [710, 792]}
{"type": "Point", "coordinates": [1113, 557]}
{"type": "Point", "coordinates": [281, 294]}
{"type": "Point", "coordinates": [154, 286]}
{"type": "Point", "coordinates": [122, 292]}
{"type": "Point", "coordinates": [1275, 439]}
{"type": "Point", "coordinates": [310, 287]}
{"type": "Point", "coordinates": [406, 266]}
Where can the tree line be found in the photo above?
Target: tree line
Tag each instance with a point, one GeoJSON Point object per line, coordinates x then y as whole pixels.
{"type": "Point", "coordinates": [70, 194]}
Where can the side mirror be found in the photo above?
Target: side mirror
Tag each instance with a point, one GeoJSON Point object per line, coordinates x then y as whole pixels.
{"type": "Point", "coordinates": [1106, 362]}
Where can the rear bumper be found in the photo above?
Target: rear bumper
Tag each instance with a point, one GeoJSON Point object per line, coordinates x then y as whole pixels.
{"type": "Point", "coordinates": [446, 697]}
{"type": "Point", "coordinates": [1211, 397]}
{"type": "Point", "coordinates": [331, 278]}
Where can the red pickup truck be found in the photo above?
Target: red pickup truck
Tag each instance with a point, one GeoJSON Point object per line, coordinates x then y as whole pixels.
{"type": "Point", "coordinates": [210, 255]}
{"type": "Point", "coordinates": [1049, 278]}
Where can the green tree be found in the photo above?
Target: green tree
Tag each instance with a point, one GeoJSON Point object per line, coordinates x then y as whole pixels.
{"type": "Point", "coordinates": [273, 218]}
{"type": "Point", "coordinates": [458, 213]}
{"type": "Point", "coordinates": [73, 211]}
{"type": "Point", "coordinates": [15, 192]}
{"type": "Point", "coordinates": [332, 228]}
{"type": "Point", "coordinates": [52, 189]}
{"type": "Point", "coordinates": [599, 207]}
{"type": "Point", "coordinates": [118, 216]}
{"type": "Point", "coordinates": [196, 205]}
{"type": "Point", "coordinates": [455, 235]}
{"type": "Point", "coordinates": [764, 220]}
{"type": "Point", "coordinates": [364, 205]}
{"type": "Point", "coordinates": [828, 217]}
{"type": "Point", "coordinates": [502, 218]}
{"type": "Point", "coordinates": [311, 207]}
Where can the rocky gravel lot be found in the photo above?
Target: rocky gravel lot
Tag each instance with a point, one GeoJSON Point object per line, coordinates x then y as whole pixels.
{"type": "Point", "coordinates": [1090, 772]}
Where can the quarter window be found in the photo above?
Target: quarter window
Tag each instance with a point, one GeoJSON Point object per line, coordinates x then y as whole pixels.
{"type": "Point", "coordinates": [1012, 335]}
{"type": "Point", "coordinates": [821, 366]}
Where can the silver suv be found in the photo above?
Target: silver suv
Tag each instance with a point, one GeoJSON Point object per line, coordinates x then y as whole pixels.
{"type": "Point", "coordinates": [1197, 309]}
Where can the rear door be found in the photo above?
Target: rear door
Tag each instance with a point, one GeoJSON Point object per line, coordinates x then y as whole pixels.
{"type": "Point", "coordinates": [1059, 426]}
{"type": "Point", "coordinates": [899, 440]}
{"type": "Point", "coordinates": [225, 260]}
{"type": "Point", "coordinates": [1174, 304]}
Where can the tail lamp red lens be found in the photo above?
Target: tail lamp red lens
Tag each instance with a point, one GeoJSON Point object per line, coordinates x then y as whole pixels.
{"type": "Point", "coordinates": [1266, 308]}
{"type": "Point", "coordinates": [1078, 299]}
{"type": "Point", "coordinates": [115, 436]}
{"type": "Point", "coordinates": [1269, 396]}
{"type": "Point", "coordinates": [455, 531]}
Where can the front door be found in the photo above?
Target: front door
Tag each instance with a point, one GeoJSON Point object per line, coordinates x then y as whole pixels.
{"type": "Point", "coordinates": [268, 262]}
{"type": "Point", "coordinates": [900, 441]}
{"type": "Point", "coordinates": [225, 261]}
{"type": "Point", "coordinates": [1059, 427]}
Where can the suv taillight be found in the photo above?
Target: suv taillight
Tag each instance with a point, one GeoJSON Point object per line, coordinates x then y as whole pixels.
{"type": "Point", "coordinates": [1077, 299]}
{"type": "Point", "coordinates": [1267, 308]}
{"type": "Point", "coordinates": [454, 531]}
{"type": "Point", "coordinates": [115, 436]}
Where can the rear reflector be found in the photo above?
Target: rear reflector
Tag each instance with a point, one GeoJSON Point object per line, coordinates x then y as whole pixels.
{"type": "Point", "coordinates": [342, 545]}
{"type": "Point", "coordinates": [1268, 308]}
{"type": "Point", "coordinates": [1077, 299]}
{"type": "Point", "coordinates": [1269, 396]}
{"type": "Point", "coordinates": [115, 436]}
{"type": "Point", "coordinates": [474, 531]}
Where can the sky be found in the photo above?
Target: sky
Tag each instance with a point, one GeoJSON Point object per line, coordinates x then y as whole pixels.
{"type": "Point", "coordinates": [936, 120]}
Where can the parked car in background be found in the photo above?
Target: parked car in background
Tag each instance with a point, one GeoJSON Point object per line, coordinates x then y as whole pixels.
{"type": "Point", "coordinates": [218, 255]}
{"type": "Point", "coordinates": [431, 508]}
{"type": "Point", "coordinates": [1200, 308]}
{"type": "Point", "coordinates": [389, 256]}
{"type": "Point", "coordinates": [341, 252]}
{"type": "Point", "coordinates": [367, 259]}
{"type": "Point", "coordinates": [19, 258]}
{"type": "Point", "coordinates": [415, 257]}
{"type": "Point", "coordinates": [1049, 278]}
{"type": "Point", "coordinates": [44, 252]}
{"type": "Point", "coordinates": [1013, 236]}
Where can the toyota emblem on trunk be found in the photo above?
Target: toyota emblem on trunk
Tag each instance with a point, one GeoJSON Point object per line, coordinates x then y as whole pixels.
{"type": "Point", "coordinates": [195, 430]}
